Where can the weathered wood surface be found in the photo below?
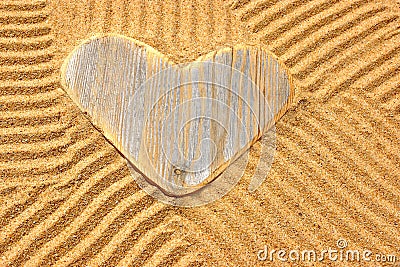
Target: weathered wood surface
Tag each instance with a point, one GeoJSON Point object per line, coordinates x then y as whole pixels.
{"type": "Point", "coordinates": [180, 126]}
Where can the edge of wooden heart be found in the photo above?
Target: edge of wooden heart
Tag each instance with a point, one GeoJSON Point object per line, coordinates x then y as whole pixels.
{"type": "Point", "coordinates": [209, 55]}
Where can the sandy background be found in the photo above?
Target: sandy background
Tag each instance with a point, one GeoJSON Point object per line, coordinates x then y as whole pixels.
{"type": "Point", "coordinates": [67, 197]}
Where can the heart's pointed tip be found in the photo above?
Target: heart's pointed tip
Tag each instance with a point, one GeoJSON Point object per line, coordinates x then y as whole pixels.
{"type": "Point", "coordinates": [252, 188]}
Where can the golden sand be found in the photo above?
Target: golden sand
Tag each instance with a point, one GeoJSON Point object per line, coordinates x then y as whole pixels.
{"type": "Point", "coordinates": [68, 198]}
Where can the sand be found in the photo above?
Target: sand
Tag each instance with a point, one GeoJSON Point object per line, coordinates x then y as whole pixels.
{"type": "Point", "coordinates": [68, 198]}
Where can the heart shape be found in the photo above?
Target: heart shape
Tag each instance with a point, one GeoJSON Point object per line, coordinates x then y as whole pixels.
{"type": "Point", "coordinates": [179, 125]}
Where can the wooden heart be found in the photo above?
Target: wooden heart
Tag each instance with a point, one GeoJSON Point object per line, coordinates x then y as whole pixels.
{"type": "Point", "coordinates": [179, 125]}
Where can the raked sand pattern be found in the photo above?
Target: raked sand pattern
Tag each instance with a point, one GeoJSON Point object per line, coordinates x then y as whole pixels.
{"type": "Point", "coordinates": [68, 199]}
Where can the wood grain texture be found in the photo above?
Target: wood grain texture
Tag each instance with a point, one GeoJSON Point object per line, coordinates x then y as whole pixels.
{"type": "Point", "coordinates": [179, 125]}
